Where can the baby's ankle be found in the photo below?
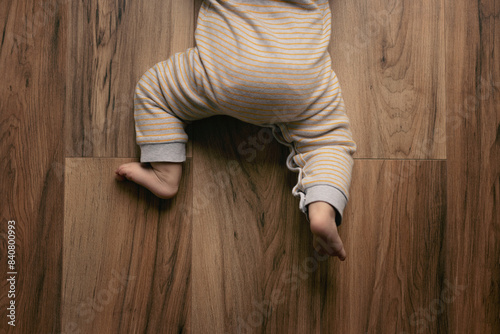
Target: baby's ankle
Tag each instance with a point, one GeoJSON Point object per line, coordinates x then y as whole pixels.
{"type": "Point", "coordinates": [168, 172]}
{"type": "Point", "coordinates": [321, 210]}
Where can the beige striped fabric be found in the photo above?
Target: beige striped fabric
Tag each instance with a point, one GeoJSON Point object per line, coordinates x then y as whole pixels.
{"type": "Point", "coordinates": [266, 63]}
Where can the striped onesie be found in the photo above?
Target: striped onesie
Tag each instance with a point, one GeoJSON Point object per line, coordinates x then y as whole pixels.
{"type": "Point", "coordinates": [265, 62]}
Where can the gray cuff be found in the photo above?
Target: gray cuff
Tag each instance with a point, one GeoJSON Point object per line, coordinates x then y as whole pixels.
{"type": "Point", "coordinates": [329, 194]}
{"type": "Point", "coordinates": [171, 152]}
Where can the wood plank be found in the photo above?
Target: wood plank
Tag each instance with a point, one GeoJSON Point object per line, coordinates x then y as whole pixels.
{"type": "Point", "coordinates": [111, 45]}
{"type": "Point", "coordinates": [32, 61]}
{"type": "Point", "coordinates": [126, 253]}
{"type": "Point", "coordinates": [250, 241]}
{"type": "Point", "coordinates": [388, 55]}
{"type": "Point", "coordinates": [394, 236]}
{"type": "Point", "coordinates": [473, 132]}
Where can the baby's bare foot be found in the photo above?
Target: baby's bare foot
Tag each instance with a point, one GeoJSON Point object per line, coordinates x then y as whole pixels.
{"type": "Point", "coordinates": [326, 238]}
{"type": "Point", "coordinates": [161, 178]}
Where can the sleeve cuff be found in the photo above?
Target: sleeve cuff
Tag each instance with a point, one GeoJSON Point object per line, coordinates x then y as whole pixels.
{"type": "Point", "coordinates": [171, 152]}
{"type": "Point", "coordinates": [330, 195]}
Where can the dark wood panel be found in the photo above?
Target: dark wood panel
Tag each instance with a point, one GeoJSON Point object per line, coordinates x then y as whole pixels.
{"type": "Point", "coordinates": [127, 254]}
{"type": "Point", "coordinates": [473, 131]}
{"type": "Point", "coordinates": [408, 269]}
{"type": "Point", "coordinates": [393, 275]}
{"type": "Point", "coordinates": [32, 93]}
{"type": "Point", "coordinates": [388, 55]}
{"type": "Point", "coordinates": [111, 45]}
{"type": "Point", "coordinates": [249, 238]}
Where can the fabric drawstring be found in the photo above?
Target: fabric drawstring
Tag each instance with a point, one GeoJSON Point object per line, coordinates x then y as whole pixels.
{"type": "Point", "coordinates": [277, 133]}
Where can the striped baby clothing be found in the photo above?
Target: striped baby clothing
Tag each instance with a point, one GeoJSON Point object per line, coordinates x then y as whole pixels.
{"type": "Point", "coordinates": [265, 62]}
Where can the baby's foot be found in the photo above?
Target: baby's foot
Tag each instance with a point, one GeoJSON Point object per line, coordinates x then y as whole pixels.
{"type": "Point", "coordinates": [326, 238]}
{"type": "Point", "coordinates": [161, 178]}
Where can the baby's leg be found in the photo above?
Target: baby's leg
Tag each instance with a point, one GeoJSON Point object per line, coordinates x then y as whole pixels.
{"type": "Point", "coordinates": [166, 98]}
{"type": "Point", "coordinates": [322, 150]}
{"type": "Point", "coordinates": [161, 178]}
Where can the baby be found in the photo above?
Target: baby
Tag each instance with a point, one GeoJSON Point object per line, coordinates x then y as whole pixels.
{"type": "Point", "coordinates": [265, 62]}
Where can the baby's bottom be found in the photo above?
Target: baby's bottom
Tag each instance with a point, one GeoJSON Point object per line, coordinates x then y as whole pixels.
{"type": "Point", "coordinates": [175, 92]}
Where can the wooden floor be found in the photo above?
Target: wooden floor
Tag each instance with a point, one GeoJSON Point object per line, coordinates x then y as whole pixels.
{"type": "Point", "coordinates": [232, 253]}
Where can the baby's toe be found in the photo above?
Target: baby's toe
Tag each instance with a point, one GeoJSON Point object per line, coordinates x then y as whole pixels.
{"type": "Point", "coordinates": [119, 173]}
{"type": "Point", "coordinates": [342, 254]}
{"type": "Point", "coordinates": [119, 177]}
{"type": "Point", "coordinates": [125, 171]}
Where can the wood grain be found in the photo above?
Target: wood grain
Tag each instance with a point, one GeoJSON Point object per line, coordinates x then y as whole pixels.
{"type": "Point", "coordinates": [32, 92]}
{"type": "Point", "coordinates": [252, 240]}
{"type": "Point", "coordinates": [393, 277]}
{"type": "Point", "coordinates": [126, 254]}
{"type": "Point", "coordinates": [389, 56]}
{"type": "Point", "coordinates": [473, 137]}
{"type": "Point", "coordinates": [232, 252]}
{"type": "Point", "coordinates": [249, 237]}
{"type": "Point", "coordinates": [111, 45]}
